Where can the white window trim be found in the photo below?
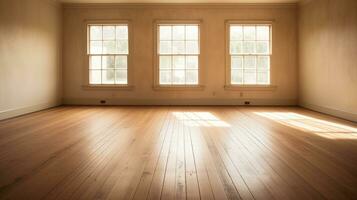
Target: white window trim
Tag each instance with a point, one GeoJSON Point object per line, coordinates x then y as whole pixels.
{"type": "Point", "coordinates": [85, 80]}
{"type": "Point", "coordinates": [247, 87]}
{"type": "Point", "coordinates": [156, 82]}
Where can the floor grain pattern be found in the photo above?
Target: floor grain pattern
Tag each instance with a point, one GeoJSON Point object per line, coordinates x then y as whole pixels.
{"type": "Point", "coordinates": [177, 152]}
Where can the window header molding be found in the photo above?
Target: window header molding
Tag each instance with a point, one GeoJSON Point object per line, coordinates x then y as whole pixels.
{"type": "Point", "coordinates": [106, 21]}
{"type": "Point", "coordinates": [176, 21]}
{"type": "Point", "coordinates": [250, 21]}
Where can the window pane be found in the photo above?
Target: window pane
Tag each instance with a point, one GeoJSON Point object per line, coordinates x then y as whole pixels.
{"type": "Point", "coordinates": [192, 62]}
{"type": "Point", "coordinates": [263, 78]}
{"type": "Point", "coordinates": [237, 62]}
{"type": "Point", "coordinates": [237, 76]}
{"type": "Point", "coordinates": [181, 45]}
{"type": "Point", "coordinates": [253, 67]}
{"type": "Point", "coordinates": [122, 47]}
{"type": "Point", "coordinates": [263, 63]}
{"type": "Point", "coordinates": [249, 62]}
{"type": "Point", "coordinates": [121, 62]}
{"type": "Point", "coordinates": [178, 33]}
{"type": "Point", "coordinates": [95, 62]}
{"type": "Point", "coordinates": [236, 33]}
{"type": "Point", "coordinates": [236, 47]}
{"type": "Point", "coordinates": [249, 32]}
{"type": "Point", "coordinates": [263, 33]}
{"type": "Point", "coordinates": [108, 32]}
{"type": "Point", "coordinates": [94, 76]}
{"type": "Point", "coordinates": [165, 77]}
{"type": "Point", "coordinates": [122, 32]}
{"type": "Point", "coordinates": [192, 47]}
{"type": "Point", "coordinates": [96, 47]}
{"type": "Point", "coordinates": [178, 47]}
{"type": "Point", "coordinates": [109, 47]}
{"type": "Point", "coordinates": [165, 62]}
{"type": "Point", "coordinates": [108, 76]}
{"type": "Point", "coordinates": [178, 62]}
{"type": "Point", "coordinates": [249, 47]}
{"type": "Point", "coordinates": [165, 47]}
{"type": "Point", "coordinates": [192, 77]}
{"type": "Point", "coordinates": [108, 62]}
{"type": "Point", "coordinates": [121, 77]}
{"type": "Point", "coordinates": [249, 76]}
{"type": "Point", "coordinates": [263, 47]}
{"type": "Point", "coordinates": [108, 39]}
{"type": "Point", "coordinates": [165, 33]}
{"type": "Point", "coordinates": [95, 32]}
{"type": "Point", "coordinates": [191, 32]}
{"type": "Point", "coordinates": [178, 77]}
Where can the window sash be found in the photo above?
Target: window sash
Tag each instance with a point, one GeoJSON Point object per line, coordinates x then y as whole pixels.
{"type": "Point", "coordinates": [116, 71]}
{"type": "Point", "coordinates": [249, 75]}
{"type": "Point", "coordinates": [172, 70]}
{"type": "Point", "coordinates": [185, 68]}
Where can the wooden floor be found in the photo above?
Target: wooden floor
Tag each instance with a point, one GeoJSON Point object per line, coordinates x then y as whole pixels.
{"type": "Point", "coordinates": [178, 153]}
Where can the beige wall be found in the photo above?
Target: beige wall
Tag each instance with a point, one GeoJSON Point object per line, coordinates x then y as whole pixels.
{"type": "Point", "coordinates": [30, 56]}
{"type": "Point", "coordinates": [284, 59]}
{"type": "Point", "coordinates": [328, 56]}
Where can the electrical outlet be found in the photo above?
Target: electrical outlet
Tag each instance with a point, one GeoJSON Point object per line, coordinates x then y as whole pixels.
{"type": "Point", "coordinates": [103, 101]}
{"type": "Point", "coordinates": [247, 103]}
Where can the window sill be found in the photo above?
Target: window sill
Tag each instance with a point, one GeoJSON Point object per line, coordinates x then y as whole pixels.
{"type": "Point", "coordinates": [108, 87]}
{"type": "Point", "coordinates": [250, 87]}
{"type": "Point", "coordinates": [178, 87]}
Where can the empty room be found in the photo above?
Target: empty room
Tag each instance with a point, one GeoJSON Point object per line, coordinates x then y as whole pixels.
{"type": "Point", "coordinates": [178, 99]}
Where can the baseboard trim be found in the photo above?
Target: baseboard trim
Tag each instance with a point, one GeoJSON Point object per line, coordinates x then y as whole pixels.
{"type": "Point", "coordinates": [330, 111]}
{"type": "Point", "coordinates": [259, 102]}
{"type": "Point", "coordinates": [15, 112]}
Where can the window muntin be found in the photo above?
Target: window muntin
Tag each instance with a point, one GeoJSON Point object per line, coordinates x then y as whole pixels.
{"type": "Point", "coordinates": [108, 49]}
{"type": "Point", "coordinates": [250, 51]}
{"type": "Point", "coordinates": [178, 54]}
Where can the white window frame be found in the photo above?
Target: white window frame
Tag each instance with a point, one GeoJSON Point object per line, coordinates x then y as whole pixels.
{"type": "Point", "coordinates": [156, 56]}
{"type": "Point", "coordinates": [228, 84]}
{"type": "Point", "coordinates": [86, 80]}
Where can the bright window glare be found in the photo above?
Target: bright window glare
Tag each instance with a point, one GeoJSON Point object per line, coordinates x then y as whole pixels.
{"type": "Point", "coordinates": [108, 54]}
{"type": "Point", "coordinates": [250, 51]}
{"type": "Point", "coordinates": [205, 119]}
{"type": "Point", "coordinates": [323, 128]}
{"type": "Point", "coordinates": [178, 53]}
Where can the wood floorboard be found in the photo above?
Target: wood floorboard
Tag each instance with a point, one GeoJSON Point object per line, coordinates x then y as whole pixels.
{"type": "Point", "coordinates": [178, 152]}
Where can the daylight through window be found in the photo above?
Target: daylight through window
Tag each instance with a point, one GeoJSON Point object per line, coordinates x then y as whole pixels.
{"type": "Point", "coordinates": [178, 54]}
{"type": "Point", "coordinates": [108, 54]}
{"type": "Point", "coordinates": [250, 50]}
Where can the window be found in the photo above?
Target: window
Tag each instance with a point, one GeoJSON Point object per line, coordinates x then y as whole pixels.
{"type": "Point", "coordinates": [249, 54]}
{"type": "Point", "coordinates": [178, 49]}
{"type": "Point", "coordinates": [108, 49]}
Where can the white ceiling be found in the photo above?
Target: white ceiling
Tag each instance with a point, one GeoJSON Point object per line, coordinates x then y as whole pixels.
{"type": "Point", "coordinates": [178, 1]}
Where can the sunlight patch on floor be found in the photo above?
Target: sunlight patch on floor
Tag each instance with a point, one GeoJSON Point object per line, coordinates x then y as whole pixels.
{"type": "Point", "coordinates": [323, 128]}
{"type": "Point", "coordinates": [197, 119]}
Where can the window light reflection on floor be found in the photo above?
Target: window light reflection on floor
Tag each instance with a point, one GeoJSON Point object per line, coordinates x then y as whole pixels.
{"type": "Point", "coordinates": [323, 128]}
{"type": "Point", "coordinates": [204, 119]}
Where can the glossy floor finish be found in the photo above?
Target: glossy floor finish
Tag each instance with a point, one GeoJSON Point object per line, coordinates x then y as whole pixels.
{"type": "Point", "coordinates": [178, 153]}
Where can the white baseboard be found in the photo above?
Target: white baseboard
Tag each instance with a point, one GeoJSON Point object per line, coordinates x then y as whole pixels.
{"type": "Point", "coordinates": [330, 111]}
{"type": "Point", "coordinates": [207, 101]}
{"type": "Point", "coordinates": [6, 114]}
